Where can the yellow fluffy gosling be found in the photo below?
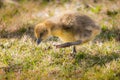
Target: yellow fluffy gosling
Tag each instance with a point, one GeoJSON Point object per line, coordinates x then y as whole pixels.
{"type": "Point", "coordinates": [72, 28]}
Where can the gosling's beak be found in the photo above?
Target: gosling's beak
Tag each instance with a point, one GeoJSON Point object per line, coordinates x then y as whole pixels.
{"type": "Point", "coordinates": [38, 41]}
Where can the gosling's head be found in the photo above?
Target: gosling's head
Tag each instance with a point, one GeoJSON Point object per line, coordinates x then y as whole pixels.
{"type": "Point", "coordinates": [43, 31]}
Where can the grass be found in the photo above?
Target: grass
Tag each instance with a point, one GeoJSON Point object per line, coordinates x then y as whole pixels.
{"type": "Point", "coordinates": [22, 59]}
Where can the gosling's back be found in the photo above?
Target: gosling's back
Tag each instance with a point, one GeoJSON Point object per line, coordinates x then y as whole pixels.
{"type": "Point", "coordinates": [81, 27]}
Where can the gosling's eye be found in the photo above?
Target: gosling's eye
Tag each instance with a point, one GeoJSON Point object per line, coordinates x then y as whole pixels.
{"type": "Point", "coordinates": [45, 31]}
{"type": "Point", "coordinates": [41, 34]}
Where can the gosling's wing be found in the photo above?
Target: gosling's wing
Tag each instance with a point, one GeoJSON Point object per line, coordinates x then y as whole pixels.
{"type": "Point", "coordinates": [85, 28]}
{"type": "Point", "coordinates": [76, 21]}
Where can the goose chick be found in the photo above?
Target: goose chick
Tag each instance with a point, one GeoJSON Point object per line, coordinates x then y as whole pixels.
{"type": "Point", "coordinates": [72, 28]}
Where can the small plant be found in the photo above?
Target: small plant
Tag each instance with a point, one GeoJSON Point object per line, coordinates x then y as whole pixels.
{"type": "Point", "coordinates": [96, 9]}
{"type": "Point", "coordinates": [112, 13]}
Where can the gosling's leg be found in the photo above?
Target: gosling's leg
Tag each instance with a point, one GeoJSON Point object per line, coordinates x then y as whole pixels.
{"type": "Point", "coordinates": [73, 53]}
{"type": "Point", "coordinates": [69, 44]}
{"type": "Point", "coordinates": [74, 49]}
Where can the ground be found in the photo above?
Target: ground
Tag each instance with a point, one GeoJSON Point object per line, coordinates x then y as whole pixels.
{"type": "Point", "coordinates": [22, 59]}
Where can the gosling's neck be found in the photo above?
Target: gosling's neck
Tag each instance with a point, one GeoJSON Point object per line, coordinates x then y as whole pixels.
{"type": "Point", "coordinates": [56, 30]}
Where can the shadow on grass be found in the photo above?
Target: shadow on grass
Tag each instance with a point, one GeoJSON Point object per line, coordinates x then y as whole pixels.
{"type": "Point", "coordinates": [28, 30]}
{"type": "Point", "coordinates": [107, 35]}
{"type": "Point", "coordinates": [98, 59]}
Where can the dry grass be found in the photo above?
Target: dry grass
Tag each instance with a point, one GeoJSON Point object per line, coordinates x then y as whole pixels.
{"type": "Point", "coordinates": [22, 59]}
